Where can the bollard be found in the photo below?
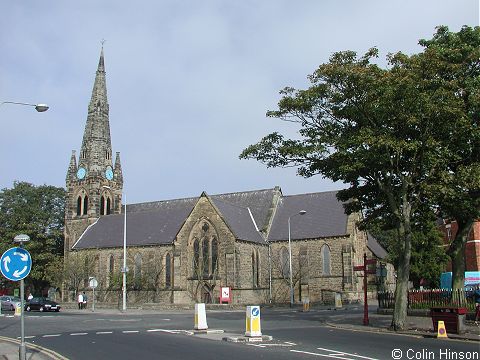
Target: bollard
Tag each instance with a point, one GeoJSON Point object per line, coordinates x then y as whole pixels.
{"type": "Point", "coordinates": [306, 304]}
{"type": "Point", "coordinates": [253, 327]}
{"type": "Point", "coordinates": [200, 317]}
{"type": "Point", "coordinates": [338, 300]}
{"type": "Point", "coordinates": [441, 332]}
{"type": "Point", "coordinates": [18, 311]}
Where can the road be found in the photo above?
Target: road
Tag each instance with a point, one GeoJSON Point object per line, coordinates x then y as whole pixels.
{"type": "Point", "coordinates": [167, 335]}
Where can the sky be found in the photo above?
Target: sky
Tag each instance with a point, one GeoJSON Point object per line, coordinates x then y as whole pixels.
{"type": "Point", "coordinates": [189, 82]}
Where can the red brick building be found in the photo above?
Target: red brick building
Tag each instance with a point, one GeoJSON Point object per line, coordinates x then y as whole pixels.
{"type": "Point", "coordinates": [472, 247]}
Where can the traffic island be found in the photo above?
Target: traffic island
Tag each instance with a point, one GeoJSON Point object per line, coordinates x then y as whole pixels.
{"type": "Point", "coordinates": [241, 338]}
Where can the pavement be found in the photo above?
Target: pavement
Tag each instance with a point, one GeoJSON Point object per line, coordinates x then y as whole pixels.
{"type": "Point", "coordinates": [416, 326]}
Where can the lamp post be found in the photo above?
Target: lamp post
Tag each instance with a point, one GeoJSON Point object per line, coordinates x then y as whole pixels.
{"type": "Point", "coordinates": [38, 107]}
{"type": "Point", "coordinates": [22, 349]}
{"type": "Point", "coordinates": [124, 267]}
{"type": "Point", "coordinates": [301, 212]}
{"type": "Point", "coordinates": [124, 270]}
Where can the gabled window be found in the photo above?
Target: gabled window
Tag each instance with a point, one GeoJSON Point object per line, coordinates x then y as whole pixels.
{"type": "Point", "coordinates": [196, 258]}
{"type": "Point", "coordinates": [206, 256]}
{"type": "Point", "coordinates": [214, 254]}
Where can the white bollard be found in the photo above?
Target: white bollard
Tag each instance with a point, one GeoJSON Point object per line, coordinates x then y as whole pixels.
{"type": "Point", "coordinates": [253, 327]}
{"type": "Point", "coordinates": [200, 317]}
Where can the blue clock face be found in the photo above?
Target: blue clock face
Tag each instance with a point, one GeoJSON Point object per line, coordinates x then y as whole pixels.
{"type": "Point", "coordinates": [81, 173]}
{"type": "Point", "coordinates": [109, 173]}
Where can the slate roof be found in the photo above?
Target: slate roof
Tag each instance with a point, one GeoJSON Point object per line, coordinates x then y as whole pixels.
{"type": "Point", "coordinates": [375, 247]}
{"type": "Point", "coordinates": [239, 221]}
{"type": "Point", "coordinates": [325, 217]}
{"type": "Point", "coordinates": [147, 224]}
{"type": "Point", "coordinates": [158, 222]}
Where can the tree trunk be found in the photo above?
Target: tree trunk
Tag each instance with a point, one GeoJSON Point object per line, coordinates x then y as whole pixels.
{"type": "Point", "coordinates": [403, 271]}
{"type": "Point", "coordinates": [401, 293]}
{"type": "Point", "coordinates": [457, 254]}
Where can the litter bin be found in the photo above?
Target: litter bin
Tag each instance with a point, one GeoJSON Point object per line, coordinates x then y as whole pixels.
{"type": "Point", "coordinates": [452, 317]}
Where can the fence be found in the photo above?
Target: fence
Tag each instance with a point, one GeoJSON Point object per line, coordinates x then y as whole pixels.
{"type": "Point", "coordinates": [424, 299]}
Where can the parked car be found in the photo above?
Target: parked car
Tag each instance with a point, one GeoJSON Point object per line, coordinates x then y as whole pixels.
{"type": "Point", "coordinates": [42, 304]}
{"type": "Point", "coordinates": [10, 303]}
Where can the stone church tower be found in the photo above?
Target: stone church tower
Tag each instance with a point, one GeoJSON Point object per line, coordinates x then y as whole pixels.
{"type": "Point", "coordinates": [94, 184]}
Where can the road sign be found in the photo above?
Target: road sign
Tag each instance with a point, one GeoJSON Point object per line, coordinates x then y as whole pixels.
{"type": "Point", "coordinates": [92, 282]}
{"type": "Point", "coordinates": [15, 264]}
{"type": "Point", "coordinates": [255, 311]}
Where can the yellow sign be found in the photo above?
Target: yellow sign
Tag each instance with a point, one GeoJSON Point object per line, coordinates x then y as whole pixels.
{"type": "Point", "coordinates": [442, 332]}
{"type": "Point", "coordinates": [18, 311]}
{"type": "Point", "coordinates": [252, 325]}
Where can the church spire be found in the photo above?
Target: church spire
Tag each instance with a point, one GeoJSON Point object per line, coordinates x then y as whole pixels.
{"type": "Point", "coordinates": [96, 151]}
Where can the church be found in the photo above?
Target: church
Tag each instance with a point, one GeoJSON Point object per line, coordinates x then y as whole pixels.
{"type": "Point", "coordinates": [259, 243]}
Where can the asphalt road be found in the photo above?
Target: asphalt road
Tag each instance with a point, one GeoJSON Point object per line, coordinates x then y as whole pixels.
{"type": "Point", "coordinates": [165, 335]}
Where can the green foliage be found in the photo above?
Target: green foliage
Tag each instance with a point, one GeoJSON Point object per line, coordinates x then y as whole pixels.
{"type": "Point", "coordinates": [400, 137]}
{"type": "Point", "coordinates": [428, 252]}
{"type": "Point", "coordinates": [39, 212]}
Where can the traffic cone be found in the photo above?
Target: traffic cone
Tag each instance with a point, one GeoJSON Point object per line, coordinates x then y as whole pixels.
{"type": "Point", "coordinates": [442, 331]}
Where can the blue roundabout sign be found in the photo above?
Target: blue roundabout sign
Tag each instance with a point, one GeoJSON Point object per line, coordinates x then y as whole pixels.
{"type": "Point", "coordinates": [15, 263]}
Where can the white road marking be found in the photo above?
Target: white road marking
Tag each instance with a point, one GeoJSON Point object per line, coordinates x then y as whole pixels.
{"type": "Point", "coordinates": [103, 332]}
{"type": "Point", "coordinates": [27, 337]}
{"type": "Point", "coordinates": [130, 331]}
{"type": "Point", "coordinates": [256, 345]}
{"type": "Point", "coordinates": [77, 334]}
{"type": "Point", "coordinates": [154, 330]}
{"type": "Point", "coordinates": [308, 353]}
{"type": "Point", "coordinates": [335, 352]}
{"type": "Point", "coordinates": [165, 319]}
{"type": "Point", "coordinates": [52, 335]}
{"type": "Point", "coordinates": [290, 343]}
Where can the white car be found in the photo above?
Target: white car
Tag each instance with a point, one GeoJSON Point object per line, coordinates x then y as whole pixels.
{"type": "Point", "coordinates": [10, 303]}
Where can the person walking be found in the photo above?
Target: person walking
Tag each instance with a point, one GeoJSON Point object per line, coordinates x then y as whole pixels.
{"type": "Point", "coordinates": [80, 301]}
{"type": "Point", "coordinates": [85, 299]}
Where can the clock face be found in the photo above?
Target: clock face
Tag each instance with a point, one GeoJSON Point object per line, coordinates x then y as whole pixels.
{"type": "Point", "coordinates": [109, 173]}
{"type": "Point", "coordinates": [81, 173]}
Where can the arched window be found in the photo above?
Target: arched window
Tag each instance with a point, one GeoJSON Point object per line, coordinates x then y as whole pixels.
{"type": "Point", "coordinates": [325, 260]}
{"type": "Point", "coordinates": [196, 258]}
{"type": "Point", "coordinates": [85, 205]}
{"type": "Point", "coordinates": [284, 264]}
{"type": "Point", "coordinates": [102, 205]}
{"type": "Point", "coordinates": [79, 206]}
{"type": "Point", "coordinates": [206, 256]}
{"type": "Point", "coordinates": [137, 271]}
{"type": "Point", "coordinates": [108, 206]}
{"type": "Point", "coordinates": [214, 254]}
{"type": "Point", "coordinates": [168, 270]}
{"type": "Point", "coordinates": [254, 269]}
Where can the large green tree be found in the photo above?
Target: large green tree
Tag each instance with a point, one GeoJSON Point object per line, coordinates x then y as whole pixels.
{"type": "Point", "coordinates": [455, 63]}
{"type": "Point", "coordinates": [37, 211]}
{"type": "Point", "coordinates": [375, 129]}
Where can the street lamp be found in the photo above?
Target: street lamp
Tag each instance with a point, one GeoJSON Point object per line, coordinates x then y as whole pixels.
{"type": "Point", "coordinates": [22, 349]}
{"type": "Point", "coordinates": [38, 107]}
{"type": "Point", "coordinates": [124, 267]}
{"type": "Point", "coordinates": [301, 212]}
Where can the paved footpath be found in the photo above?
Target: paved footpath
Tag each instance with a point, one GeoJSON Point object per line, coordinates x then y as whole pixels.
{"type": "Point", "coordinates": [9, 350]}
